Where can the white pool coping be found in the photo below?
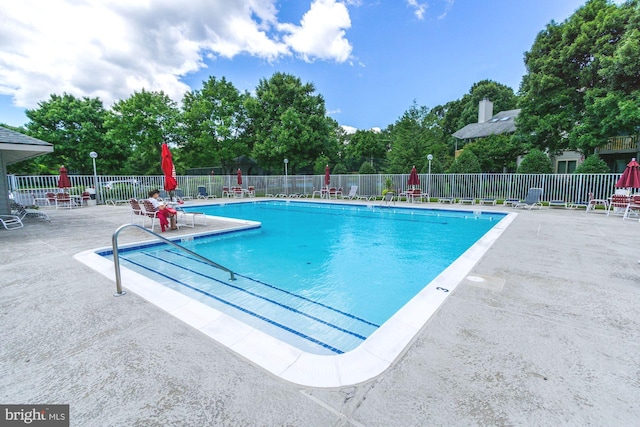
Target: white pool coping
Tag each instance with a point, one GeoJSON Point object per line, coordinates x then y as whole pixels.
{"type": "Point", "coordinates": [370, 359]}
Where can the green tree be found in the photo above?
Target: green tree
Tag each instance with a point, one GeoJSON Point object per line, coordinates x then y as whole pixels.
{"type": "Point", "coordinates": [412, 136]}
{"type": "Point", "coordinates": [582, 79]}
{"type": "Point", "coordinates": [215, 123]}
{"type": "Point", "coordinates": [75, 126]}
{"type": "Point", "coordinates": [288, 121]}
{"type": "Point", "coordinates": [144, 121]}
{"type": "Point", "coordinates": [467, 162]}
{"type": "Point", "coordinates": [593, 164]}
{"type": "Point", "coordinates": [497, 153]}
{"type": "Point", "coordinates": [535, 162]}
{"type": "Point", "coordinates": [364, 145]}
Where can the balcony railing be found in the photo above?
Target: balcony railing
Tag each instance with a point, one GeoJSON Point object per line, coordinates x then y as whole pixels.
{"type": "Point", "coordinates": [620, 144]}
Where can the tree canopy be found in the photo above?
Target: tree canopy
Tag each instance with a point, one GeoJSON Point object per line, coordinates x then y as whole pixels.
{"type": "Point", "coordinates": [583, 78]}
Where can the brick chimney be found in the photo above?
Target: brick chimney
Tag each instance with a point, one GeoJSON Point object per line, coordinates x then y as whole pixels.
{"type": "Point", "coordinates": [485, 110]}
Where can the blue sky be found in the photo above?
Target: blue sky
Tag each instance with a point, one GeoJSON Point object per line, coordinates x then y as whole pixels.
{"type": "Point", "coordinates": [370, 59]}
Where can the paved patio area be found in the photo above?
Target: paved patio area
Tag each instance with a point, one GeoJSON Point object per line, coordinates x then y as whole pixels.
{"type": "Point", "coordinates": [544, 331]}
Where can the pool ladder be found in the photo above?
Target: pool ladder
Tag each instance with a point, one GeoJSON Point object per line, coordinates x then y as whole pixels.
{"type": "Point", "coordinates": [116, 256]}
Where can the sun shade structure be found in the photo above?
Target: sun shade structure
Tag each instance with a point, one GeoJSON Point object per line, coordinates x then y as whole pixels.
{"type": "Point", "coordinates": [16, 147]}
{"type": "Point", "coordinates": [631, 176]}
{"type": "Point", "coordinates": [414, 180]}
{"type": "Point", "coordinates": [170, 182]}
{"type": "Point", "coordinates": [63, 180]}
{"type": "Point", "coordinates": [239, 176]}
{"type": "Point", "coordinates": [327, 176]}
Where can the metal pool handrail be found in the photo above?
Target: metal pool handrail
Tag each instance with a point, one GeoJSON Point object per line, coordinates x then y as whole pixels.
{"type": "Point", "coordinates": [116, 257]}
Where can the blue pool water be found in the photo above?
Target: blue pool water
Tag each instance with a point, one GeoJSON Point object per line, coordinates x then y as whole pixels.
{"type": "Point", "coordinates": [322, 277]}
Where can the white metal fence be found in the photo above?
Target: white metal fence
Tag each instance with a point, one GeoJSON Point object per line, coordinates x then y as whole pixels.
{"type": "Point", "coordinates": [567, 187]}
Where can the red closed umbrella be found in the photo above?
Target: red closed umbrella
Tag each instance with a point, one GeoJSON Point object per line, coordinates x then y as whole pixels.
{"type": "Point", "coordinates": [239, 177]}
{"type": "Point", "coordinates": [327, 176]}
{"type": "Point", "coordinates": [170, 182]}
{"type": "Point", "coordinates": [64, 181]}
{"type": "Point", "coordinates": [631, 176]}
{"type": "Point", "coordinates": [414, 181]}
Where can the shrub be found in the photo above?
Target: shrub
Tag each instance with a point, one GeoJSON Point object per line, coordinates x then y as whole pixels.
{"type": "Point", "coordinates": [535, 162]}
{"type": "Point", "coordinates": [593, 164]}
{"type": "Point", "coordinates": [467, 162]}
{"type": "Point", "coordinates": [366, 168]}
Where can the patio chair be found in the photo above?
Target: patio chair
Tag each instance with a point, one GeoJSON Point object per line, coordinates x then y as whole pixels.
{"type": "Point", "coordinates": [534, 196]}
{"type": "Point", "coordinates": [22, 212]}
{"type": "Point", "coordinates": [149, 212]}
{"type": "Point", "coordinates": [62, 198]}
{"type": "Point", "coordinates": [251, 191]}
{"type": "Point", "coordinates": [51, 198]}
{"type": "Point", "coordinates": [619, 204]}
{"type": "Point", "coordinates": [10, 222]}
{"type": "Point", "coordinates": [632, 208]}
{"type": "Point", "coordinates": [136, 210]}
{"type": "Point", "coordinates": [225, 192]}
{"type": "Point", "coordinates": [84, 198]}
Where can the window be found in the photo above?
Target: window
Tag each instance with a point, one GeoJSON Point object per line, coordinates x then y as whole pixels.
{"type": "Point", "coordinates": [566, 166]}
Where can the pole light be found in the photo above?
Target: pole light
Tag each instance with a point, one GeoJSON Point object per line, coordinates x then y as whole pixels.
{"type": "Point", "coordinates": [286, 179]}
{"type": "Point", "coordinates": [429, 157]}
{"type": "Point", "coordinates": [93, 156]}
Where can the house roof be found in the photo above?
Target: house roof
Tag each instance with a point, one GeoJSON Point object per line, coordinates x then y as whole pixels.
{"type": "Point", "coordinates": [503, 122]}
{"type": "Point", "coordinates": [16, 147]}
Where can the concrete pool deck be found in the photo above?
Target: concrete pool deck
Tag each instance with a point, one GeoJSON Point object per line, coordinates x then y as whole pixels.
{"type": "Point", "coordinates": [545, 330]}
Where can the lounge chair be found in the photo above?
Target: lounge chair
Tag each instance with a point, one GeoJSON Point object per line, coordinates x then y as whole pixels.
{"type": "Point", "coordinates": [487, 201]}
{"type": "Point", "coordinates": [510, 202]}
{"type": "Point", "coordinates": [446, 200]}
{"type": "Point", "coordinates": [22, 212]}
{"type": "Point", "coordinates": [10, 222]}
{"type": "Point", "coordinates": [388, 198]}
{"type": "Point", "coordinates": [352, 194]}
{"type": "Point", "coordinates": [322, 192]}
{"type": "Point", "coordinates": [557, 204]}
{"type": "Point", "coordinates": [180, 195]}
{"type": "Point", "coordinates": [202, 193]}
{"type": "Point", "coordinates": [533, 199]}
{"type": "Point", "coordinates": [467, 201]}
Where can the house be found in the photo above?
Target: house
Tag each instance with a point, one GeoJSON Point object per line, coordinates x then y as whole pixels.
{"type": "Point", "coordinates": [504, 122]}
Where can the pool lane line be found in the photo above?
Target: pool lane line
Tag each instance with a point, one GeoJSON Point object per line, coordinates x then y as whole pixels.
{"type": "Point", "coordinates": [286, 307]}
{"type": "Point", "coordinates": [328, 307]}
{"type": "Point", "coordinates": [237, 307]}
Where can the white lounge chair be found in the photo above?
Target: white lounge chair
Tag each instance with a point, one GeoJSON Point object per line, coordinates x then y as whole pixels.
{"type": "Point", "coordinates": [10, 222]}
{"type": "Point", "coordinates": [353, 193]}
{"type": "Point", "coordinates": [534, 196]}
{"type": "Point", "coordinates": [22, 212]}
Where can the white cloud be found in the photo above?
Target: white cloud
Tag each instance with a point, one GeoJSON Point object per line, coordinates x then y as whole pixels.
{"type": "Point", "coordinates": [448, 4]}
{"type": "Point", "coordinates": [419, 8]}
{"type": "Point", "coordinates": [321, 33]}
{"type": "Point", "coordinates": [111, 48]}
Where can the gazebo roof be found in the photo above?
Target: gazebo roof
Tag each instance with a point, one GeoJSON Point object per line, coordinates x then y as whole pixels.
{"type": "Point", "coordinates": [503, 122]}
{"type": "Point", "coordinates": [16, 147]}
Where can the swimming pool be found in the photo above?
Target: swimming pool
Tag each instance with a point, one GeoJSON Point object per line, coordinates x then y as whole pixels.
{"type": "Point", "coordinates": [304, 275]}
